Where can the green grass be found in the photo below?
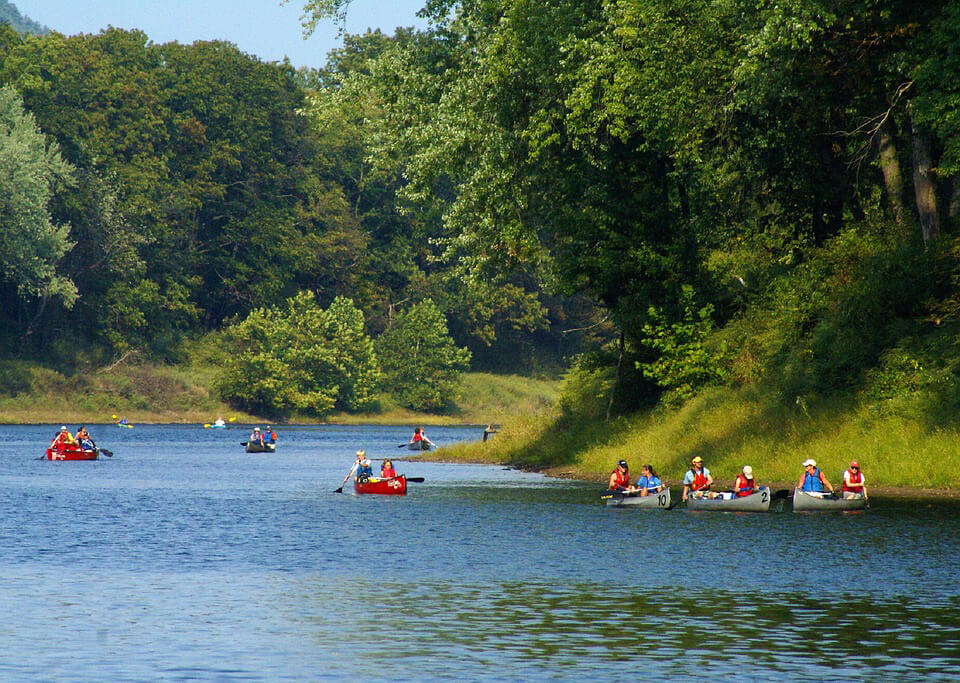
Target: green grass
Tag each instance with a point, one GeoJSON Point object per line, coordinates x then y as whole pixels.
{"type": "Point", "coordinates": [158, 393]}
{"type": "Point", "coordinates": [731, 428]}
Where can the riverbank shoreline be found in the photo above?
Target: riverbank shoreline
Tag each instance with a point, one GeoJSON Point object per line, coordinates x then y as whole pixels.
{"type": "Point", "coordinates": [601, 481]}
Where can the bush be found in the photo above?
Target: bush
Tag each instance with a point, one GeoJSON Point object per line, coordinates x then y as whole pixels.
{"type": "Point", "coordinates": [301, 358]}
{"type": "Point", "coordinates": [422, 366]}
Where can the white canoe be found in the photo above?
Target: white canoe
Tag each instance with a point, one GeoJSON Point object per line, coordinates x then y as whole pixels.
{"type": "Point", "coordinates": [653, 501]}
{"type": "Point", "coordinates": [803, 501]}
{"type": "Point", "coordinates": [756, 502]}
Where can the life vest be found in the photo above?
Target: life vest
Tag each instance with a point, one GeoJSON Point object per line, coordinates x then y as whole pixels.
{"type": "Point", "coordinates": [388, 473]}
{"type": "Point", "coordinates": [621, 480]}
{"type": "Point", "coordinates": [744, 486]}
{"type": "Point", "coordinates": [700, 482]}
{"type": "Point", "coordinates": [811, 482]}
{"type": "Point", "coordinates": [856, 482]}
{"type": "Point", "coordinates": [418, 437]}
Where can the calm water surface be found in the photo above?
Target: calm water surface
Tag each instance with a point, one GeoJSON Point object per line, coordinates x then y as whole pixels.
{"type": "Point", "coordinates": [183, 558]}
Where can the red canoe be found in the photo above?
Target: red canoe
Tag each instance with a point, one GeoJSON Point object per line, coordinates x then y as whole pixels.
{"type": "Point", "coordinates": [71, 452]}
{"type": "Point", "coordinates": [394, 486]}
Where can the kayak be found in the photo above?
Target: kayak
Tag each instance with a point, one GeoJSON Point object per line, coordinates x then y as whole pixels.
{"type": "Point", "coordinates": [254, 447]}
{"type": "Point", "coordinates": [215, 426]}
{"type": "Point", "coordinates": [756, 502]}
{"type": "Point", "coordinates": [394, 486]}
{"type": "Point", "coordinates": [125, 426]}
{"type": "Point", "coordinates": [420, 445]}
{"type": "Point", "coordinates": [72, 453]}
{"type": "Point", "coordinates": [652, 501]}
{"type": "Point", "coordinates": [804, 501]}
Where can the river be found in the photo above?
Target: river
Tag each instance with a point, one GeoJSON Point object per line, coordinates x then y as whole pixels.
{"type": "Point", "coordinates": [182, 558]}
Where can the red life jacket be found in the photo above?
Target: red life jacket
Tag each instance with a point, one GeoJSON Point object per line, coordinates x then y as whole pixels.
{"type": "Point", "coordinates": [855, 478]}
{"type": "Point", "coordinates": [388, 472]}
{"type": "Point", "coordinates": [699, 481]}
{"type": "Point", "coordinates": [744, 486]}
{"type": "Point", "coordinates": [621, 479]}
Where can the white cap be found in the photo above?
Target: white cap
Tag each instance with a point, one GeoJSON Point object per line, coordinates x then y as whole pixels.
{"type": "Point", "coordinates": [748, 471]}
{"type": "Point", "coordinates": [809, 461]}
{"type": "Point", "coordinates": [63, 427]}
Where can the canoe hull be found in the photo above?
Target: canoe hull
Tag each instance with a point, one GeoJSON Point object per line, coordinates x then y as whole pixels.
{"type": "Point", "coordinates": [804, 502]}
{"type": "Point", "coordinates": [757, 502]}
{"type": "Point", "coordinates": [257, 448]}
{"type": "Point", "coordinates": [419, 446]}
{"type": "Point", "coordinates": [394, 486]}
{"type": "Point", "coordinates": [652, 501]}
{"type": "Point", "coordinates": [72, 454]}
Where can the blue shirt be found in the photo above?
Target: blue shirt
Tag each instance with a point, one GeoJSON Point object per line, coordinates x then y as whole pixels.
{"type": "Point", "coordinates": [649, 482]}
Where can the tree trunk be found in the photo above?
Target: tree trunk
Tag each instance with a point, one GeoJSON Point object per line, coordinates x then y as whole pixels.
{"type": "Point", "coordinates": [890, 166]}
{"type": "Point", "coordinates": [955, 198]}
{"type": "Point", "coordinates": [925, 185]}
{"type": "Point", "coordinates": [616, 379]}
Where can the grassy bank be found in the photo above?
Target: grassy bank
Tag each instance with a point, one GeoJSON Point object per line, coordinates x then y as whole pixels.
{"type": "Point", "coordinates": [31, 393]}
{"type": "Point", "coordinates": [731, 428]}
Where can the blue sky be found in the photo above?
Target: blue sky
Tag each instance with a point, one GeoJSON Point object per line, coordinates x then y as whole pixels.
{"type": "Point", "coordinates": [260, 27]}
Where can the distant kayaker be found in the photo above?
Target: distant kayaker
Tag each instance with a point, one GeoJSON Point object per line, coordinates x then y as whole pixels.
{"type": "Point", "coordinates": [386, 470]}
{"type": "Point", "coordinates": [853, 482]}
{"type": "Point", "coordinates": [123, 421]}
{"type": "Point", "coordinates": [362, 468]}
{"type": "Point", "coordinates": [62, 439]}
{"type": "Point", "coordinates": [620, 477]}
{"type": "Point", "coordinates": [697, 480]}
{"type": "Point", "coordinates": [744, 484]}
{"type": "Point", "coordinates": [219, 422]}
{"type": "Point", "coordinates": [648, 482]}
{"type": "Point", "coordinates": [813, 480]}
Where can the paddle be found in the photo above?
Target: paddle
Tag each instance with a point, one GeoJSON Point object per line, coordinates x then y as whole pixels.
{"type": "Point", "coordinates": [403, 445]}
{"type": "Point", "coordinates": [340, 490]}
{"type": "Point", "coordinates": [107, 453]}
{"type": "Point", "coordinates": [418, 480]}
{"type": "Point", "coordinates": [243, 443]}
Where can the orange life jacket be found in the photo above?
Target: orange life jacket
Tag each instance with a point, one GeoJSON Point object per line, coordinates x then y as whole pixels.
{"type": "Point", "coordinates": [699, 481]}
{"type": "Point", "coordinates": [744, 486]}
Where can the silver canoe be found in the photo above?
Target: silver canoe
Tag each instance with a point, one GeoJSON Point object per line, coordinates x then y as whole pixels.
{"type": "Point", "coordinates": [420, 445]}
{"type": "Point", "coordinates": [756, 502]}
{"type": "Point", "coordinates": [653, 501]}
{"type": "Point", "coordinates": [803, 501]}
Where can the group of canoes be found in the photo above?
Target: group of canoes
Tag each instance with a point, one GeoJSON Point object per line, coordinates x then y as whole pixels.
{"type": "Point", "coordinates": [813, 491]}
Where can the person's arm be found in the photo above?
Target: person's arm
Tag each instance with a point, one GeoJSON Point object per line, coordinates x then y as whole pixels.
{"type": "Point", "coordinates": [800, 483]}
{"type": "Point", "coordinates": [825, 481]}
{"type": "Point", "coordinates": [709, 480]}
{"type": "Point", "coordinates": [611, 485]}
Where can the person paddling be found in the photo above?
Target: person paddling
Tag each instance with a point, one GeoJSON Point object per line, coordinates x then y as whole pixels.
{"type": "Point", "coordinates": [744, 484]}
{"type": "Point", "coordinates": [697, 480]}
{"type": "Point", "coordinates": [83, 438]}
{"type": "Point", "coordinates": [854, 485]}
{"type": "Point", "coordinates": [648, 482]}
{"type": "Point", "coordinates": [363, 470]}
{"type": "Point", "coordinates": [62, 439]}
{"type": "Point", "coordinates": [813, 480]}
{"type": "Point", "coordinates": [620, 477]}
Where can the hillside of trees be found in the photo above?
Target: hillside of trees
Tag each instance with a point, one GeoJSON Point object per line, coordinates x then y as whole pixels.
{"type": "Point", "coordinates": [673, 195]}
{"type": "Point", "coordinates": [10, 15]}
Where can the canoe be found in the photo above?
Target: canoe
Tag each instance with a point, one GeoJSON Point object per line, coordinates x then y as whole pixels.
{"type": "Point", "coordinates": [394, 486]}
{"type": "Point", "coordinates": [254, 447]}
{"type": "Point", "coordinates": [420, 445]}
{"type": "Point", "coordinates": [756, 502]}
{"type": "Point", "coordinates": [72, 453]}
{"type": "Point", "coordinates": [652, 501]}
{"type": "Point", "coordinates": [803, 501]}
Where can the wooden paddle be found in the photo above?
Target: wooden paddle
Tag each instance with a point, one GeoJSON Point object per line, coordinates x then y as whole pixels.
{"type": "Point", "coordinates": [340, 490]}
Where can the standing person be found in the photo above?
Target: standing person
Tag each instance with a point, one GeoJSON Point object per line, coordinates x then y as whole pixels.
{"type": "Point", "coordinates": [744, 484]}
{"type": "Point", "coordinates": [620, 477]}
{"type": "Point", "coordinates": [813, 480]}
{"type": "Point", "coordinates": [386, 470]}
{"type": "Point", "coordinates": [853, 482]}
{"type": "Point", "coordinates": [648, 481]}
{"type": "Point", "coordinates": [697, 480]}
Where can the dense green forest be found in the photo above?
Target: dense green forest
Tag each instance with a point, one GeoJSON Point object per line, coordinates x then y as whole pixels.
{"type": "Point", "coordinates": [682, 193]}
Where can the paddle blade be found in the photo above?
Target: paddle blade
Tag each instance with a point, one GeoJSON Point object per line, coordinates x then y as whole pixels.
{"type": "Point", "coordinates": [418, 480]}
{"type": "Point", "coordinates": [403, 445]}
{"type": "Point", "coordinates": [231, 419]}
{"type": "Point", "coordinates": [243, 443]}
{"type": "Point", "coordinates": [339, 490]}
{"type": "Point", "coordinates": [114, 417]}
{"type": "Point", "coordinates": [107, 453]}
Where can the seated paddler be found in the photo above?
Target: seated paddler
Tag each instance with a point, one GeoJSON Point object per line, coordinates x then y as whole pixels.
{"type": "Point", "coordinates": [620, 477]}
{"type": "Point", "coordinates": [362, 468]}
{"type": "Point", "coordinates": [813, 480]}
